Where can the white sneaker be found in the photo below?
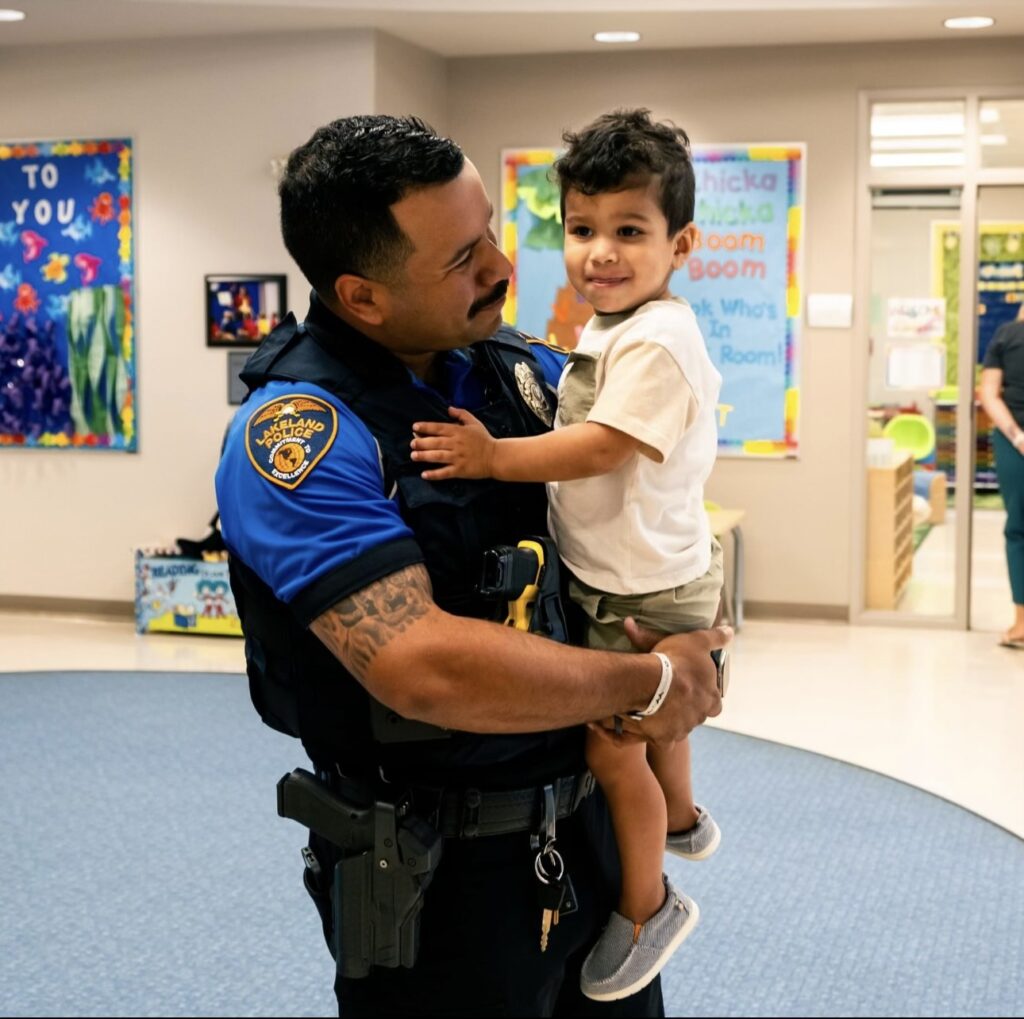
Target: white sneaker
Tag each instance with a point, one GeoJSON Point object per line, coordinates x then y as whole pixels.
{"type": "Point", "coordinates": [628, 956]}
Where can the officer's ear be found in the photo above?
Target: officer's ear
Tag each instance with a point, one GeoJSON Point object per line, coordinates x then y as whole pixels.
{"type": "Point", "coordinates": [364, 300]}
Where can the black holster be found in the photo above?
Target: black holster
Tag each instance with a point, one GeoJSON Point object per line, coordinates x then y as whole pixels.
{"type": "Point", "coordinates": [388, 859]}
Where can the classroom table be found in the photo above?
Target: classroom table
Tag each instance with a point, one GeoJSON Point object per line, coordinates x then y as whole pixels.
{"type": "Point", "coordinates": [723, 522]}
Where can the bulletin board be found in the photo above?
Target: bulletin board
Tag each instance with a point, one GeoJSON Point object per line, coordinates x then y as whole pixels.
{"type": "Point", "coordinates": [743, 279]}
{"type": "Point", "coordinates": [67, 276]}
{"type": "Point", "coordinates": [1000, 280]}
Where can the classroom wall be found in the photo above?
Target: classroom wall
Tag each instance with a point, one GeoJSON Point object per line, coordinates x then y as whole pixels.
{"type": "Point", "coordinates": [797, 531]}
{"type": "Point", "coordinates": [411, 80]}
{"type": "Point", "coordinates": [207, 117]}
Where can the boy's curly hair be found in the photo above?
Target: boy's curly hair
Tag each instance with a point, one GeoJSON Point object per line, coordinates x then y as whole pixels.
{"type": "Point", "coordinates": [626, 148]}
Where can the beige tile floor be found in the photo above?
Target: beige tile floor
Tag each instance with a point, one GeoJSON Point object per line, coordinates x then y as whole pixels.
{"type": "Point", "coordinates": [942, 710]}
{"type": "Point", "coordinates": [990, 582]}
{"type": "Point", "coordinates": [931, 587]}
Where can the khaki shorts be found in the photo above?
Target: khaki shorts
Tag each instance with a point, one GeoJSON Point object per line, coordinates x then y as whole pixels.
{"type": "Point", "coordinates": [691, 606]}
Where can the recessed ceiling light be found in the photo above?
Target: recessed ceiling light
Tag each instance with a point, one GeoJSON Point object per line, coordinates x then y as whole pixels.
{"type": "Point", "coordinates": [616, 36]}
{"type": "Point", "coordinates": [8, 15]}
{"type": "Point", "coordinates": [969, 22]}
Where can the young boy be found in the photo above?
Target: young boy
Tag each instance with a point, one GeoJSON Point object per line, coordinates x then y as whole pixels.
{"type": "Point", "coordinates": [633, 443]}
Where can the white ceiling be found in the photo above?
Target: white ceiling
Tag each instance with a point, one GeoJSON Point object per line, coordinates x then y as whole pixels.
{"type": "Point", "coordinates": [455, 28]}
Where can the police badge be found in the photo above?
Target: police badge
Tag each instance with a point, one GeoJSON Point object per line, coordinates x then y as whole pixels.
{"type": "Point", "coordinates": [532, 394]}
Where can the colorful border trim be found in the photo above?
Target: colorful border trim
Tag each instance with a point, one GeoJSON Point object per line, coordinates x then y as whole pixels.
{"type": "Point", "coordinates": [511, 160]}
{"type": "Point", "coordinates": [122, 146]}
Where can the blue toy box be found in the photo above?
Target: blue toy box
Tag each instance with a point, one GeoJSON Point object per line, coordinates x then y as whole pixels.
{"type": "Point", "coordinates": [175, 594]}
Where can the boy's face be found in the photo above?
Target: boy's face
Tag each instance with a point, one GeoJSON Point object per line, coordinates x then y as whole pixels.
{"type": "Point", "coordinates": [618, 251]}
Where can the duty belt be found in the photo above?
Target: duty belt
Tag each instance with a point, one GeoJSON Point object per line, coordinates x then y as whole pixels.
{"type": "Point", "coordinates": [471, 813]}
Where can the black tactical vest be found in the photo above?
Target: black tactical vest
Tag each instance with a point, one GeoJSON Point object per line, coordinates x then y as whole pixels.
{"type": "Point", "coordinates": [297, 685]}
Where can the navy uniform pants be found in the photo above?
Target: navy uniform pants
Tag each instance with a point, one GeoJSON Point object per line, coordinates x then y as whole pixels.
{"type": "Point", "coordinates": [1010, 472]}
{"type": "Point", "coordinates": [480, 932]}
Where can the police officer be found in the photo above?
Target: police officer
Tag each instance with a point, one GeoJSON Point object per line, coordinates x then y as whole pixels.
{"type": "Point", "coordinates": [357, 580]}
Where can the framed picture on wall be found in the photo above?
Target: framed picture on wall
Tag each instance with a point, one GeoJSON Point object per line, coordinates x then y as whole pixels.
{"type": "Point", "coordinates": [242, 309]}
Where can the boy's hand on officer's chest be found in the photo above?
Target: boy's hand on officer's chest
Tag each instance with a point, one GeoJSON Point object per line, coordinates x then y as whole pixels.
{"type": "Point", "coordinates": [466, 449]}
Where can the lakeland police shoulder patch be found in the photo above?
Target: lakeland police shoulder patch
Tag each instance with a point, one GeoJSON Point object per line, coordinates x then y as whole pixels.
{"type": "Point", "coordinates": [286, 437]}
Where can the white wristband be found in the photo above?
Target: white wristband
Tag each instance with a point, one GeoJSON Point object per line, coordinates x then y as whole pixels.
{"type": "Point", "coordinates": [660, 694]}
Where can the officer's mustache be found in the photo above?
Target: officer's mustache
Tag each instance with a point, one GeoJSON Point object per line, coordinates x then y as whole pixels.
{"type": "Point", "coordinates": [498, 292]}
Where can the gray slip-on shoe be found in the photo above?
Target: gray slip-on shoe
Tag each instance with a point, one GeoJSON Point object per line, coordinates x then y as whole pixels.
{"type": "Point", "coordinates": [626, 959]}
{"type": "Point", "coordinates": [698, 842]}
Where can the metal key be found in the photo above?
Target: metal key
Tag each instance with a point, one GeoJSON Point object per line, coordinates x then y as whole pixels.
{"type": "Point", "coordinates": [551, 889]}
{"type": "Point", "coordinates": [550, 897]}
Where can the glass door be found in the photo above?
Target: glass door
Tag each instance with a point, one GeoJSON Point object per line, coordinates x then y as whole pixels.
{"type": "Point", "coordinates": [910, 549]}
{"type": "Point", "coordinates": [941, 241]}
{"type": "Point", "coordinates": [1000, 282]}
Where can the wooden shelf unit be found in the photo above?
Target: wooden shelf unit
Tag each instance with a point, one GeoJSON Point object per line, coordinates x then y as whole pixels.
{"type": "Point", "coordinates": [945, 445]}
{"type": "Point", "coordinates": [890, 551]}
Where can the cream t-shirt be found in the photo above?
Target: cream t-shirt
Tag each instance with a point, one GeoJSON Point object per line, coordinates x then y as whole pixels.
{"type": "Point", "coordinates": [642, 527]}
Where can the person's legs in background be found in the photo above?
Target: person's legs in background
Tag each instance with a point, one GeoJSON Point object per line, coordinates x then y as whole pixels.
{"type": "Point", "coordinates": [1010, 472]}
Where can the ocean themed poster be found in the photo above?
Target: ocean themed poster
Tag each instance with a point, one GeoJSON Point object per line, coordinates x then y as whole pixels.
{"type": "Point", "coordinates": [67, 351]}
{"type": "Point", "coordinates": [742, 279]}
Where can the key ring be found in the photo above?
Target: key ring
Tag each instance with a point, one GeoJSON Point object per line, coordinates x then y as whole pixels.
{"type": "Point", "coordinates": [546, 834]}
{"type": "Point", "coordinates": [541, 870]}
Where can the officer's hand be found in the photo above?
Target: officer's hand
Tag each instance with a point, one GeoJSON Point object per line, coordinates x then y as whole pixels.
{"type": "Point", "coordinates": [466, 448]}
{"type": "Point", "coordinates": [693, 696]}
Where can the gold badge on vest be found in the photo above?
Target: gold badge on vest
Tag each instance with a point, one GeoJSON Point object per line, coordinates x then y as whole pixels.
{"type": "Point", "coordinates": [532, 394]}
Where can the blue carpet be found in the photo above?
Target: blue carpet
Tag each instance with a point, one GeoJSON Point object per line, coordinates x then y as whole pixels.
{"type": "Point", "coordinates": [836, 891]}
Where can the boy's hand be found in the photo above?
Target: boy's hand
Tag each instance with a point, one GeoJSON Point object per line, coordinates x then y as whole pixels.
{"type": "Point", "coordinates": [467, 448]}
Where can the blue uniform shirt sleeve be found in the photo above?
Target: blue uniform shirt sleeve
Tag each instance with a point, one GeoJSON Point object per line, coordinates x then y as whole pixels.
{"type": "Point", "coordinates": [333, 533]}
{"type": "Point", "coordinates": [550, 359]}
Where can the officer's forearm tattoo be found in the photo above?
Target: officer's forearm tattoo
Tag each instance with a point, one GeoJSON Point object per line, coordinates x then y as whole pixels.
{"type": "Point", "coordinates": [360, 625]}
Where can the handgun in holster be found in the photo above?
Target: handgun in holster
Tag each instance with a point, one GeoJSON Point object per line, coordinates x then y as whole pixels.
{"type": "Point", "coordinates": [388, 858]}
{"type": "Point", "coordinates": [527, 577]}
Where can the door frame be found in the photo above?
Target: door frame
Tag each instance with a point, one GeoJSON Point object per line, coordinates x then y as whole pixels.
{"type": "Point", "coordinates": [969, 178]}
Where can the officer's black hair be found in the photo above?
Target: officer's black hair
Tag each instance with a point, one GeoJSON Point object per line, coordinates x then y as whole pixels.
{"type": "Point", "coordinates": [625, 148]}
{"type": "Point", "coordinates": [337, 191]}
